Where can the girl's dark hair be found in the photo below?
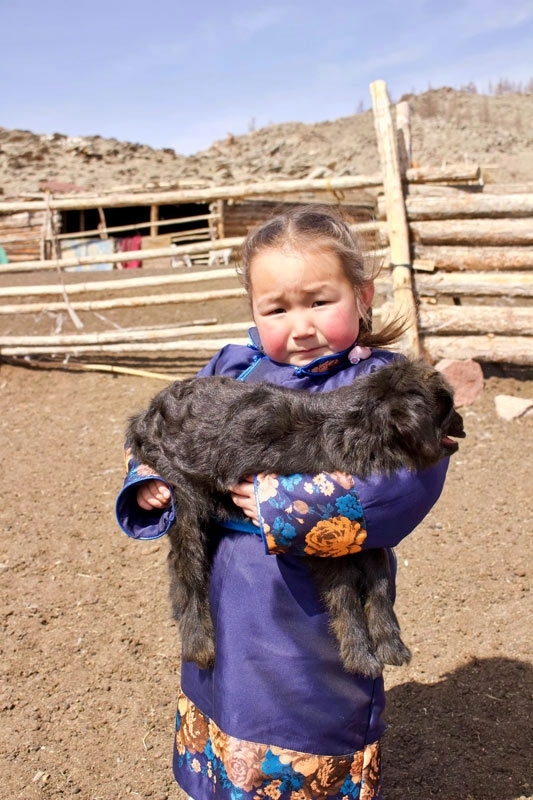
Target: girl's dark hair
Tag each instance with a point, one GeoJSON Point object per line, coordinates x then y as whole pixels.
{"type": "Point", "coordinates": [322, 226]}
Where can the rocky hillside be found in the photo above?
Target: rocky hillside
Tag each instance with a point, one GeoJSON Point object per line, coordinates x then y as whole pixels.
{"type": "Point", "coordinates": [447, 126]}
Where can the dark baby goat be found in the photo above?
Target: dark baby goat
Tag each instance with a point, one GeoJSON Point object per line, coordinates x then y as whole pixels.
{"type": "Point", "coordinates": [204, 435]}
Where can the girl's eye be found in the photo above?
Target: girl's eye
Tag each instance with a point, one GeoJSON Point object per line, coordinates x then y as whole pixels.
{"type": "Point", "coordinates": [277, 311]}
{"type": "Point", "coordinates": [319, 303]}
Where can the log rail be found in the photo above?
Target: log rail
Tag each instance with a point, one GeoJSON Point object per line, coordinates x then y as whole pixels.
{"type": "Point", "coordinates": [461, 258]}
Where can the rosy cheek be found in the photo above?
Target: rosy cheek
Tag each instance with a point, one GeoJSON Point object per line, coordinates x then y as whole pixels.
{"type": "Point", "coordinates": [342, 329]}
{"type": "Point", "coordinates": [274, 341]}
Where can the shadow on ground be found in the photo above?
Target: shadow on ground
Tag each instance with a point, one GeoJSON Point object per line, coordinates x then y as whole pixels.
{"type": "Point", "coordinates": [467, 737]}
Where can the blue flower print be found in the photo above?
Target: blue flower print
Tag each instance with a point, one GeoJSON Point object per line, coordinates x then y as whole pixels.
{"type": "Point", "coordinates": [289, 482]}
{"type": "Point", "coordinates": [349, 506]}
{"type": "Point", "coordinates": [283, 531]}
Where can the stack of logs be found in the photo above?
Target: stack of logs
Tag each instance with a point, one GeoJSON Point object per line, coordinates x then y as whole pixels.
{"type": "Point", "coordinates": [23, 234]}
{"type": "Point", "coordinates": [461, 258]}
{"type": "Point", "coordinates": [473, 271]}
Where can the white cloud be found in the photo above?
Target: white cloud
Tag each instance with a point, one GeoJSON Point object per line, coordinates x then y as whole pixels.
{"type": "Point", "coordinates": [258, 20]}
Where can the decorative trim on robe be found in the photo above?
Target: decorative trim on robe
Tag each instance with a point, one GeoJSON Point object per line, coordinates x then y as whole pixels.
{"type": "Point", "coordinates": [226, 767]}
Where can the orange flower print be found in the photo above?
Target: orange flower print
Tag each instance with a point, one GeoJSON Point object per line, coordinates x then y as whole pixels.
{"type": "Point", "coordinates": [219, 740]}
{"type": "Point", "coordinates": [243, 763]}
{"type": "Point", "coordinates": [267, 487]}
{"type": "Point", "coordinates": [273, 546]}
{"type": "Point", "coordinates": [325, 365]}
{"type": "Point", "coordinates": [371, 778]}
{"type": "Point", "coordinates": [272, 790]}
{"type": "Point", "coordinates": [338, 536]}
{"type": "Point", "coordinates": [193, 732]}
{"type": "Point", "coordinates": [329, 777]}
{"type": "Point", "coordinates": [304, 763]}
{"type": "Point", "coordinates": [356, 769]}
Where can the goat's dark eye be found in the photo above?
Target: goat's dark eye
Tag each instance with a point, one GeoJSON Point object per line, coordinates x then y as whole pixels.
{"type": "Point", "coordinates": [445, 404]}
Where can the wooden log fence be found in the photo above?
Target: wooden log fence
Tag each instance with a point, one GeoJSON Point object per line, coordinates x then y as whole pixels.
{"type": "Point", "coordinates": [453, 174]}
{"type": "Point", "coordinates": [461, 256]}
{"type": "Point", "coordinates": [138, 226]}
{"type": "Point", "coordinates": [174, 251]}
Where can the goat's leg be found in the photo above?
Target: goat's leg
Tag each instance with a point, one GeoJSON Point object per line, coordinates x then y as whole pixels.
{"type": "Point", "coordinates": [339, 583]}
{"type": "Point", "coordinates": [382, 622]}
{"type": "Point", "coordinates": [189, 594]}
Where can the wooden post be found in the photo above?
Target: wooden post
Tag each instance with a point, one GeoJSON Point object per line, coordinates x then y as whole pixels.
{"type": "Point", "coordinates": [102, 227]}
{"type": "Point", "coordinates": [154, 218]}
{"type": "Point", "coordinates": [402, 277]}
{"type": "Point", "coordinates": [403, 126]}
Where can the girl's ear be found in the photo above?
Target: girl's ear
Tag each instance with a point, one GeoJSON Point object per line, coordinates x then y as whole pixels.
{"type": "Point", "coordinates": [366, 296]}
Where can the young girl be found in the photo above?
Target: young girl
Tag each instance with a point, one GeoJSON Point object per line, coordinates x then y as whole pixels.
{"type": "Point", "coordinates": [278, 717]}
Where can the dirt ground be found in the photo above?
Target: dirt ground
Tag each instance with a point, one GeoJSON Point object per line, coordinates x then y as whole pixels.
{"type": "Point", "coordinates": [89, 656]}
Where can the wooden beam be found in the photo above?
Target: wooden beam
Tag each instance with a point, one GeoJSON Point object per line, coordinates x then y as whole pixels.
{"type": "Point", "coordinates": [491, 349]}
{"type": "Point", "coordinates": [466, 206]}
{"type": "Point", "coordinates": [396, 218]}
{"type": "Point", "coordinates": [493, 232]}
{"type": "Point", "coordinates": [124, 302]}
{"type": "Point", "coordinates": [141, 282]}
{"type": "Point", "coordinates": [146, 255]}
{"type": "Point", "coordinates": [452, 173]}
{"type": "Point", "coordinates": [159, 252]}
{"type": "Point", "coordinates": [191, 346]}
{"type": "Point", "coordinates": [135, 226]}
{"type": "Point", "coordinates": [488, 284]}
{"type": "Point", "coordinates": [470, 319]}
{"type": "Point", "coordinates": [462, 257]}
{"type": "Point", "coordinates": [115, 336]}
{"type": "Point", "coordinates": [177, 196]}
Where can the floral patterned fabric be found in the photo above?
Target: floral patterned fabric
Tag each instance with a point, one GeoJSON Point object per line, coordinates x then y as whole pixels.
{"type": "Point", "coordinates": [243, 770]}
{"type": "Point", "coordinates": [318, 515]}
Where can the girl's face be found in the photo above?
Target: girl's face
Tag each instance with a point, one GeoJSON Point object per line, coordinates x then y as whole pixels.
{"type": "Point", "coordinates": [303, 304]}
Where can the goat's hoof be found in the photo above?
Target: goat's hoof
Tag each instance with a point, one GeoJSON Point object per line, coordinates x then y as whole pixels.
{"type": "Point", "coordinates": [394, 653]}
{"type": "Point", "coordinates": [199, 648]}
{"type": "Point", "coordinates": [204, 659]}
{"type": "Point", "coordinates": [365, 664]}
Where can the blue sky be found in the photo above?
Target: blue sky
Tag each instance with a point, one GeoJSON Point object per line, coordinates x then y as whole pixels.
{"type": "Point", "coordinates": [182, 74]}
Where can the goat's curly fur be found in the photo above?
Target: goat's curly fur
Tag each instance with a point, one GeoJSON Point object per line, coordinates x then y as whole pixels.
{"type": "Point", "coordinates": [204, 435]}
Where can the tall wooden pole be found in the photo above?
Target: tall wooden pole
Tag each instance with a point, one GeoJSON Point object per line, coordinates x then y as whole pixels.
{"type": "Point", "coordinates": [154, 217]}
{"type": "Point", "coordinates": [403, 126]}
{"type": "Point", "coordinates": [402, 278]}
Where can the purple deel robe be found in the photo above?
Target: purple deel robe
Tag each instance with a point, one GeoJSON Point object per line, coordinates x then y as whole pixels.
{"type": "Point", "coordinates": [277, 716]}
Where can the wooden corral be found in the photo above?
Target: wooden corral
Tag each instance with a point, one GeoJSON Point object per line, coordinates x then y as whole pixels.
{"type": "Point", "coordinates": [458, 257]}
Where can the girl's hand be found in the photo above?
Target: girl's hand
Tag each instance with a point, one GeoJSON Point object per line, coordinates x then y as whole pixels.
{"type": "Point", "coordinates": [243, 495]}
{"type": "Point", "coordinates": [153, 494]}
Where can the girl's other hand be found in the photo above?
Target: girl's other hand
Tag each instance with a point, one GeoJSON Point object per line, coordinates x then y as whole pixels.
{"type": "Point", "coordinates": [153, 494]}
{"type": "Point", "coordinates": [243, 495]}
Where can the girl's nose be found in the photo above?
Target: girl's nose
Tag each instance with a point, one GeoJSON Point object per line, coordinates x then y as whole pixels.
{"type": "Point", "coordinates": [302, 326]}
